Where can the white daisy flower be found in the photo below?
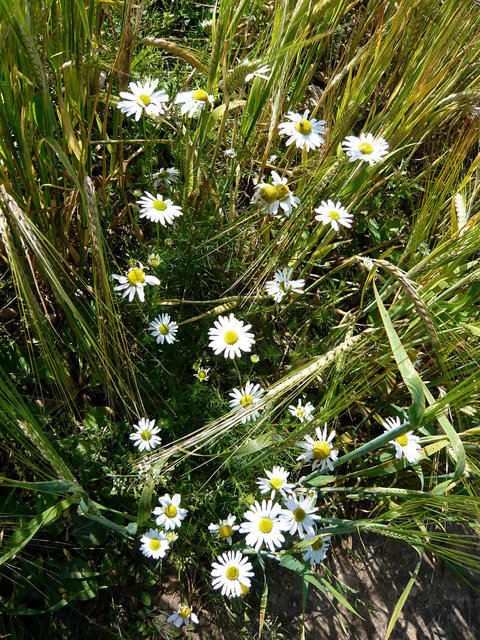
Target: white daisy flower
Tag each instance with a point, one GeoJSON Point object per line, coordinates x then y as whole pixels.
{"type": "Point", "coordinates": [301, 411]}
{"type": "Point", "coordinates": [143, 98]}
{"type": "Point", "coordinates": [299, 515]}
{"type": "Point", "coordinates": [333, 214]}
{"type": "Point", "coordinates": [406, 445]}
{"type": "Point", "coordinates": [144, 437]}
{"type": "Point", "coordinates": [225, 528]}
{"type": "Point", "coordinates": [231, 572]}
{"type": "Point", "coordinates": [202, 374]}
{"type": "Point", "coordinates": [276, 480]}
{"type": "Point", "coordinates": [264, 525]}
{"type": "Point", "coordinates": [320, 450]}
{"type": "Point", "coordinates": [282, 284]}
{"type": "Point", "coordinates": [246, 401]}
{"type": "Point", "coordinates": [164, 329]}
{"type": "Point", "coordinates": [230, 336]}
{"type": "Point", "coordinates": [154, 259]}
{"type": "Point", "coordinates": [261, 72]}
{"type": "Point", "coordinates": [170, 176]}
{"type": "Point", "coordinates": [169, 513]}
{"type": "Point", "coordinates": [317, 551]}
{"type": "Point", "coordinates": [183, 615]}
{"type": "Point", "coordinates": [171, 536]}
{"type": "Point", "coordinates": [424, 249]}
{"type": "Point", "coordinates": [154, 544]}
{"type": "Point", "coordinates": [276, 195]}
{"type": "Point", "coordinates": [365, 148]}
{"type": "Point", "coordinates": [193, 101]}
{"type": "Point", "coordinates": [134, 283]}
{"type": "Point", "coordinates": [230, 153]}
{"type": "Point", "coordinates": [158, 209]}
{"type": "Point", "coordinates": [254, 359]}
{"type": "Point", "coordinates": [304, 132]}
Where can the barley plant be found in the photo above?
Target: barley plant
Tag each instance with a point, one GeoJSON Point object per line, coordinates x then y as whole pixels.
{"type": "Point", "coordinates": [240, 315]}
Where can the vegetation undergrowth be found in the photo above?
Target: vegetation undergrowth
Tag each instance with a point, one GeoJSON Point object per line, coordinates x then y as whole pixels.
{"type": "Point", "coordinates": [240, 316]}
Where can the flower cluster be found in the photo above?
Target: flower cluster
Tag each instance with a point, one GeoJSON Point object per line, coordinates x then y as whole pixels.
{"type": "Point", "coordinates": [283, 509]}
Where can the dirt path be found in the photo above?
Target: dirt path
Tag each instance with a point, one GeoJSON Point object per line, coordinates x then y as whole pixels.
{"type": "Point", "coordinates": [440, 606]}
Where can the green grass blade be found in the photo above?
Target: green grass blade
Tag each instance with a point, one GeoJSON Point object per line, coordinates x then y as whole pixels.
{"type": "Point", "coordinates": [410, 376]}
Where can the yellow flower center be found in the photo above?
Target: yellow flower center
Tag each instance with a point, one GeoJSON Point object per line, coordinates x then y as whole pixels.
{"type": "Point", "coordinates": [276, 483]}
{"type": "Point", "coordinates": [146, 435]}
{"type": "Point", "coordinates": [334, 215]}
{"type": "Point", "coordinates": [230, 336]}
{"type": "Point", "coordinates": [282, 191]}
{"type": "Point", "coordinates": [299, 515]}
{"type": "Point", "coordinates": [366, 148]}
{"type": "Point", "coordinates": [201, 375]}
{"type": "Point", "coordinates": [321, 450]}
{"type": "Point", "coordinates": [144, 99]}
{"type": "Point", "coordinates": [304, 127]}
{"type": "Point", "coordinates": [171, 511]}
{"type": "Point", "coordinates": [185, 611]}
{"type": "Point", "coordinates": [402, 440]}
{"type": "Point", "coordinates": [246, 400]}
{"type": "Point", "coordinates": [159, 205]}
{"type": "Point", "coordinates": [317, 545]}
{"type": "Point", "coordinates": [265, 525]}
{"type": "Point", "coordinates": [135, 276]}
{"type": "Point", "coordinates": [225, 531]}
{"type": "Point", "coordinates": [232, 573]}
{"type": "Point", "coordinates": [244, 589]}
{"type": "Point", "coordinates": [163, 329]}
{"type": "Point", "coordinates": [200, 94]}
{"type": "Point", "coordinates": [300, 412]}
{"type": "Point", "coordinates": [268, 193]}
{"type": "Point", "coordinates": [155, 544]}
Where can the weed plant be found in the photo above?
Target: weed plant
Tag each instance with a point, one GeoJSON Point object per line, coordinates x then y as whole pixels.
{"type": "Point", "coordinates": [354, 263]}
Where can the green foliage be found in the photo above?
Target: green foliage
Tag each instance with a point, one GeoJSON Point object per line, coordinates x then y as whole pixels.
{"type": "Point", "coordinates": [387, 325]}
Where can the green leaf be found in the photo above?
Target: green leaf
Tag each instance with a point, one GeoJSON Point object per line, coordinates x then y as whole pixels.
{"type": "Point", "coordinates": [324, 584]}
{"type": "Point", "coordinates": [291, 563]}
{"type": "Point", "coordinates": [88, 533]}
{"type": "Point", "coordinates": [404, 596]}
{"type": "Point", "coordinates": [265, 440]}
{"type": "Point", "coordinates": [405, 366]}
{"type": "Point", "coordinates": [23, 535]}
{"type": "Point", "coordinates": [456, 444]}
{"type": "Point", "coordinates": [145, 504]}
{"type": "Point", "coordinates": [55, 486]}
{"type": "Point", "coordinates": [319, 481]}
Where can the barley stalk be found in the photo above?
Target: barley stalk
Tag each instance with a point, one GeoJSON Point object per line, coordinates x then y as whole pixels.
{"type": "Point", "coordinates": [409, 287]}
{"type": "Point", "coordinates": [177, 50]}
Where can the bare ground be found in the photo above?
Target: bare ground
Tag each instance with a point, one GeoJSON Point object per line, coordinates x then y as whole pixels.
{"type": "Point", "coordinates": [439, 607]}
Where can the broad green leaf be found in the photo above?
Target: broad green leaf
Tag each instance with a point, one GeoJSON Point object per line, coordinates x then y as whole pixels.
{"type": "Point", "coordinates": [145, 505]}
{"type": "Point", "coordinates": [455, 442]}
{"type": "Point", "coordinates": [405, 366]}
{"type": "Point", "coordinates": [265, 440]}
{"type": "Point", "coordinates": [24, 534]}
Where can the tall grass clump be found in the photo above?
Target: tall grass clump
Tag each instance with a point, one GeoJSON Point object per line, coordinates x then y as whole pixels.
{"type": "Point", "coordinates": [240, 315]}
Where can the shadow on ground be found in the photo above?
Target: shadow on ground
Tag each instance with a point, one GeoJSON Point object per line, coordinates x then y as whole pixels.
{"type": "Point", "coordinates": [439, 607]}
